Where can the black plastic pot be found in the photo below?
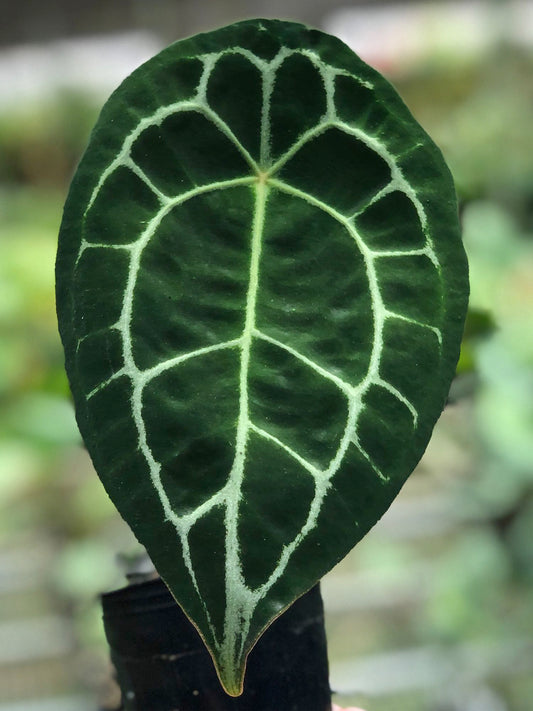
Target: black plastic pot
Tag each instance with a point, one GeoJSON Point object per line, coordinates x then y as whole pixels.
{"type": "Point", "coordinates": [163, 665]}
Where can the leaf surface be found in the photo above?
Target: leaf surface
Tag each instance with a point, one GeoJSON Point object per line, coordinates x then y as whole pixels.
{"type": "Point", "coordinates": [261, 291]}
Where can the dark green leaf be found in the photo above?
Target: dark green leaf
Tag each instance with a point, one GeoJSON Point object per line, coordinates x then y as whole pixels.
{"type": "Point", "coordinates": [261, 293]}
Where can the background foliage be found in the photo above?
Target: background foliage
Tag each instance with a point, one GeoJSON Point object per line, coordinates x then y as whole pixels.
{"type": "Point", "coordinates": [432, 612]}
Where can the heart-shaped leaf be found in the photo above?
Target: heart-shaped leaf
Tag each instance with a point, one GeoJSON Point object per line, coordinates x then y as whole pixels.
{"type": "Point", "coordinates": [261, 293]}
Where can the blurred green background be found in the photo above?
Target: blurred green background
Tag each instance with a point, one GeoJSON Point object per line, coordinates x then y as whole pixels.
{"type": "Point", "coordinates": [433, 611]}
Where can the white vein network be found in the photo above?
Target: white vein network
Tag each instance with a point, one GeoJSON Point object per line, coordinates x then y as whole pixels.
{"type": "Point", "coordinates": [241, 600]}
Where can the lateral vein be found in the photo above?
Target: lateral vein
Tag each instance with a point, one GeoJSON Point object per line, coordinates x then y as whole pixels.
{"type": "Point", "coordinates": [341, 384]}
{"type": "Point", "coordinates": [315, 471]}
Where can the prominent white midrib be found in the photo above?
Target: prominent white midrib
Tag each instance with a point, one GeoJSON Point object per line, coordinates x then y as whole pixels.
{"type": "Point", "coordinates": [240, 602]}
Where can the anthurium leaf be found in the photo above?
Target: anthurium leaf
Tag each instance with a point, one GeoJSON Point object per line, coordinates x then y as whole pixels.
{"type": "Point", "coordinates": [261, 291]}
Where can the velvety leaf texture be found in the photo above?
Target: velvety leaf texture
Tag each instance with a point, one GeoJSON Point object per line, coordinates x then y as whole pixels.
{"type": "Point", "coordinates": [261, 291]}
